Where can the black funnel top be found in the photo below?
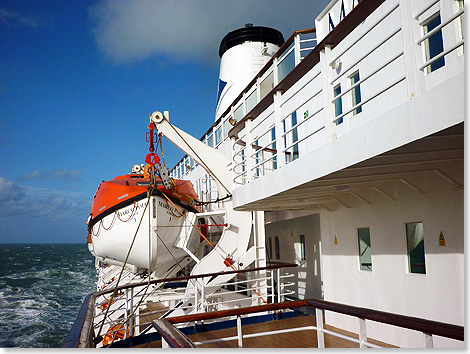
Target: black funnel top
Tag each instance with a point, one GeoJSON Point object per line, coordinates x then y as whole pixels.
{"type": "Point", "coordinates": [250, 33]}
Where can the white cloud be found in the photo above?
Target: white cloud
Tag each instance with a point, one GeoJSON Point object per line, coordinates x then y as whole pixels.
{"type": "Point", "coordinates": [189, 30]}
{"type": "Point", "coordinates": [17, 200]}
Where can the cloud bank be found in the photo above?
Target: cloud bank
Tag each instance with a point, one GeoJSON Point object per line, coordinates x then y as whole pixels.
{"type": "Point", "coordinates": [188, 30]}
{"type": "Point", "coordinates": [17, 200]}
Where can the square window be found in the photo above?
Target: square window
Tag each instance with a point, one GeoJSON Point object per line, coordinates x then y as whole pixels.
{"type": "Point", "coordinates": [415, 247]}
{"type": "Point", "coordinates": [365, 251]}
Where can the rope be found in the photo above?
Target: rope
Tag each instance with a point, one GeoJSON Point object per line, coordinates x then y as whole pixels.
{"type": "Point", "coordinates": [125, 262]}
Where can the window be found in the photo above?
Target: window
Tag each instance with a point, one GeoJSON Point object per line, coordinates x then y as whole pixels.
{"type": "Point", "coordinates": [257, 158]}
{"type": "Point", "coordinates": [273, 146]}
{"type": "Point", "coordinates": [415, 247]}
{"type": "Point", "coordinates": [270, 247]}
{"type": "Point", "coordinates": [302, 247]}
{"type": "Point", "coordinates": [238, 113]}
{"type": "Point", "coordinates": [356, 93]}
{"type": "Point", "coordinates": [250, 101]}
{"type": "Point", "coordinates": [295, 136]}
{"type": "Point", "coordinates": [365, 257]}
{"type": "Point", "coordinates": [338, 104]}
{"type": "Point", "coordinates": [218, 136]}
{"type": "Point", "coordinates": [227, 127]}
{"type": "Point", "coordinates": [210, 140]}
{"type": "Point", "coordinates": [461, 6]}
{"type": "Point", "coordinates": [434, 44]}
{"type": "Point", "coordinates": [286, 65]}
{"type": "Point", "coordinates": [266, 85]}
{"type": "Point", "coordinates": [276, 247]}
{"type": "Point", "coordinates": [293, 152]}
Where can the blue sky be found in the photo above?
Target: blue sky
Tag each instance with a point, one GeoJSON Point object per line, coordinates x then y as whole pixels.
{"type": "Point", "coordinates": [78, 80]}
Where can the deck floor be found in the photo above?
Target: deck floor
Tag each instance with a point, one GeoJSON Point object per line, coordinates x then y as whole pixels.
{"type": "Point", "coordinates": [299, 339]}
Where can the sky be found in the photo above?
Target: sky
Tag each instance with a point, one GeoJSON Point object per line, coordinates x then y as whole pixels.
{"type": "Point", "coordinates": [78, 80]}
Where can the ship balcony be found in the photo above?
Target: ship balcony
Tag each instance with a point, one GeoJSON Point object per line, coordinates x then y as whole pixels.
{"type": "Point", "coordinates": [379, 100]}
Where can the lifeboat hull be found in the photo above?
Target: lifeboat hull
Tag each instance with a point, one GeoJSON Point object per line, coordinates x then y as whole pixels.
{"type": "Point", "coordinates": [150, 233]}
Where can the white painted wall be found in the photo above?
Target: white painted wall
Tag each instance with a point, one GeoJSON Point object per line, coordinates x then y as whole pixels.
{"type": "Point", "coordinates": [438, 295]}
{"type": "Point", "coordinates": [307, 277]}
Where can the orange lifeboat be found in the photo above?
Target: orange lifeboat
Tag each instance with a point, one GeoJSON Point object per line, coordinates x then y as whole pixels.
{"type": "Point", "coordinates": [127, 189]}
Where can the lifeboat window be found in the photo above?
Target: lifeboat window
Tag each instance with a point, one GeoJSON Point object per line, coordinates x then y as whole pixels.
{"type": "Point", "coordinates": [365, 251]}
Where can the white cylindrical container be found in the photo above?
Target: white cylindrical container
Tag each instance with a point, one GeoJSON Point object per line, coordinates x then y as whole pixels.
{"type": "Point", "coordinates": [243, 53]}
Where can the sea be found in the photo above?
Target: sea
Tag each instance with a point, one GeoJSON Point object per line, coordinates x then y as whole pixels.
{"type": "Point", "coordinates": [42, 287]}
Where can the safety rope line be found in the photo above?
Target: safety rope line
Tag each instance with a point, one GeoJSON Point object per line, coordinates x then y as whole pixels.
{"type": "Point", "coordinates": [125, 262]}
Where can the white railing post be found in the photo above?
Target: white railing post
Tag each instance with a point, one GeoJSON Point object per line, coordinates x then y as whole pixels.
{"type": "Point", "coordinates": [203, 306]}
{"type": "Point", "coordinates": [249, 151]}
{"type": "Point", "coordinates": [239, 331]}
{"type": "Point", "coordinates": [428, 340]}
{"type": "Point", "coordinates": [297, 49]}
{"type": "Point", "coordinates": [278, 285]}
{"type": "Point", "coordinates": [279, 127]}
{"type": "Point", "coordinates": [330, 128]}
{"type": "Point", "coordinates": [131, 306]}
{"type": "Point", "coordinates": [272, 286]}
{"type": "Point", "coordinates": [320, 334]}
{"type": "Point", "coordinates": [362, 333]}
{"type": "Point", "coordinates": [196, 304]}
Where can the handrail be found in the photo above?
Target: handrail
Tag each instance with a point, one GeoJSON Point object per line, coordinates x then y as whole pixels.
{"type": "Point", "coordinates": [276, 265]}
{"type": "Point", "coordinates": [82, 335]}
{"type": "Point", "coordinates": [413, 323]}
{"type": "Point", "coordinates": [174, 337]}
{"type": "Point", "coordinates": [408, 322]}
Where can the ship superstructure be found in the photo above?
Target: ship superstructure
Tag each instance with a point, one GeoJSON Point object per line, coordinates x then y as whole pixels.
{"type": "Point", "coordinates": [331, 180]}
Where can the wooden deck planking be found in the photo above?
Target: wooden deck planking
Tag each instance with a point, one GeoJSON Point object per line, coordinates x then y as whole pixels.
{"type": "Point", "coordinates": [298, 339]}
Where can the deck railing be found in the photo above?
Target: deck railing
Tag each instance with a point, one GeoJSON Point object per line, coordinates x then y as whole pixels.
{"type": "Point", "coordinates": [427, 327]}
{"type": "Point", "coordinates": [124, 311]}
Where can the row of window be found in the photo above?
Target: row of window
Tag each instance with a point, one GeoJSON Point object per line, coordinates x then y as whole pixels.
{"type": "Point", "coordinates": [414, 243]}
{"type": "Point", "coordinates": [432, 47]}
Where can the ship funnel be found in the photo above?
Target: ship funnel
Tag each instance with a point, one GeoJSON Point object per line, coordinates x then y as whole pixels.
{"type": "Point", "coordinates": [243, 53]}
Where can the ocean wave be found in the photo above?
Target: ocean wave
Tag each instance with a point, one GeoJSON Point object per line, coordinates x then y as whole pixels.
{"type": "Point", "coordinates": [41, 290]}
